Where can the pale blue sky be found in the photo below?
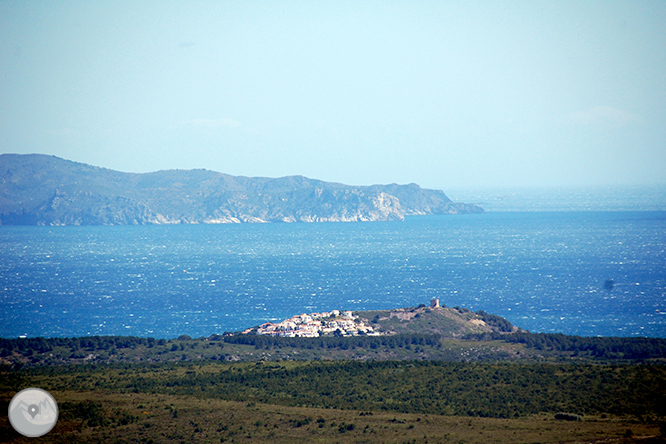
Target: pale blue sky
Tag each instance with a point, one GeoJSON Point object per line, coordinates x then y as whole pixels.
{"type": "Point", "coordinates": [444, 94]}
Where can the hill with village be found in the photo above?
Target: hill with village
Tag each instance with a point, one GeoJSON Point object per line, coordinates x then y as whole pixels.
{"type": "Point", "coordinates": [434, 320]}
{"type": "Point", "coordinates": [425, 332]}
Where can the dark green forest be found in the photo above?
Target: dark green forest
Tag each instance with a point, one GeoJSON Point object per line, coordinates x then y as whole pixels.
{"type": "Point", "coordinates": [597, 347]}
{"type": "Point", "coordinates": [501, 390]}
{"type": "Point", "coordinates": [531, 346]}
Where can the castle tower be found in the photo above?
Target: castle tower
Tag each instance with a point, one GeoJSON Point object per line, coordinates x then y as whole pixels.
{"type": "Point", "coordinates": [434, 303]}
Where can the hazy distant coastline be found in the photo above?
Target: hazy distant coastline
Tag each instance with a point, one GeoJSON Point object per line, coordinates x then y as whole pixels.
{"type": "Point", "coordinates": [46, 190]}
{"type": "Point", "coordinates": [591, 198]}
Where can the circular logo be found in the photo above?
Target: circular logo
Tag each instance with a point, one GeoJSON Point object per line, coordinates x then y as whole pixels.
{"type": "Point", "coordinates": [33, 412]}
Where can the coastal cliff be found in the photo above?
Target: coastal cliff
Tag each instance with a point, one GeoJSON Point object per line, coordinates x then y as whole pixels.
{"type": "Point", "coordinates": [46, 190]}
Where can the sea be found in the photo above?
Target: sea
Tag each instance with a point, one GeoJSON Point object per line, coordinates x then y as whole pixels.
{"type": "Point", "coordinates": [589, 262]}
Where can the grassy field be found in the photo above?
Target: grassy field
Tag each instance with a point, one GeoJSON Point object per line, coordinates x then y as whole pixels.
{"type": "Point", "coordinates": [346, 401]}
{"type": "Point", "coordinates": [153, 418]}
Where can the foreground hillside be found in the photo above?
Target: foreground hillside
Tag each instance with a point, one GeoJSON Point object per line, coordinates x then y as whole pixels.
{"type": "Point", "coordinates": [344, 401]}
{"type": "Point", "coordinates": [442, 375]}
{"type": "Point", "coordinates": [46, 190]}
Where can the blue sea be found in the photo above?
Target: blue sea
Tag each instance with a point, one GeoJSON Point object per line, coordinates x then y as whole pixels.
{"type": "Point", "coordinates": [542, 265]}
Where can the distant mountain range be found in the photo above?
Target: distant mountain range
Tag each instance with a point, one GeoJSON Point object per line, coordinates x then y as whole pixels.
{"type": "Point", "coordinates": [46, 190]}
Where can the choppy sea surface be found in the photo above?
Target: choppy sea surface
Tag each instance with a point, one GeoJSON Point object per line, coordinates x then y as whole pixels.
{"type": "Point", "coordinates": [545, 271]}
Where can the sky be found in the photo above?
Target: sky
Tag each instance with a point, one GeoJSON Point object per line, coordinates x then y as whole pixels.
{"type": "Point", "coordinates": [440, 93]}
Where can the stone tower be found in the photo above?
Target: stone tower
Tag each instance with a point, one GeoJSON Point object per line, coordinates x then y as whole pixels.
{"type": "Point", "coordinates": [434, 303]}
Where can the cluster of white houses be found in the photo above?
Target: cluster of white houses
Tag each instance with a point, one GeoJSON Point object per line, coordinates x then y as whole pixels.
{"type": "Point", "coordinates": [317, 324]}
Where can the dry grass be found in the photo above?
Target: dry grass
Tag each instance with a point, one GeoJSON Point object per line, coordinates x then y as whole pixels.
{"type": "Point", "coordinates": [186, 419]}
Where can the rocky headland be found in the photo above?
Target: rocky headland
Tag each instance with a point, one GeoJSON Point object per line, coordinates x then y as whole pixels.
{"type": "Point", "coordinates": [446, 322]}
{"type": "Point", "coordinates": [46, 190]}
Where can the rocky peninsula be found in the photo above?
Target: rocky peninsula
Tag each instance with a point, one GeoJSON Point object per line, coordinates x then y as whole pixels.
{"type": "Point", "coordinates": [46, 190]}
{"type": "Point", "coordinates": [434, 319]}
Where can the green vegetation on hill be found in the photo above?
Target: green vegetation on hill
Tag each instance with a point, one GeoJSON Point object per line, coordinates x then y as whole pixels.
{"type": "Point", "coordinates": [461, 389]}
{"type": "Point", "coordinates": [33, 352]}
{"type": "Point", "coordinates": [609, 348]}
{"type": "Point", "coordinates": [446, 322]}
{"type": "Point", "coordinates": [353, 401]}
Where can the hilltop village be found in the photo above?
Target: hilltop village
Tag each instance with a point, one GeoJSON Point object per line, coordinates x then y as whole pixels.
{"type": "Point", "coordinates": [313, 325]}
{"type": "Point", "coordinates": [333, 323]}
